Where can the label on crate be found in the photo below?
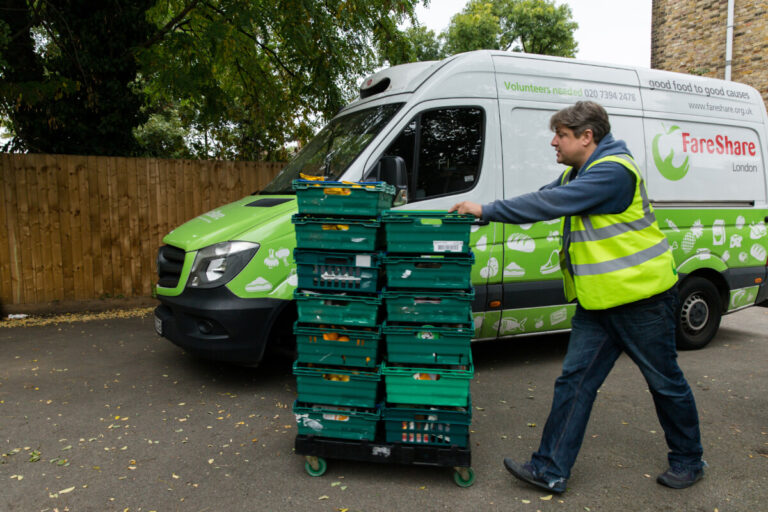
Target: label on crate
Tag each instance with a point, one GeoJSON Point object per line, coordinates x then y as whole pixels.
{"type": "Point", "coordinates": [363, 260]}
{"type": "Point", "coordinates": [447, 246]}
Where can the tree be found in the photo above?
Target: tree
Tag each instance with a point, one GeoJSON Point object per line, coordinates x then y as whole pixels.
{"type": "Point", "coordinates": [243, 76]}
{"type": "Point", "coordinates": [66, 75]}
{"type": "Point", "coordinates": [537, 26]}
{"type": "Point", "coordinates": [256, 74]}
{"type": "Point", "coordinates": [531, 26]}
{"type": "Point", "coordinates": [417, 44]}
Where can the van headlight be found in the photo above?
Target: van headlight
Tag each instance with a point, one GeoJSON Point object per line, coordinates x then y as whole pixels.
{"type": "Point", "coordinates": [217, 264]}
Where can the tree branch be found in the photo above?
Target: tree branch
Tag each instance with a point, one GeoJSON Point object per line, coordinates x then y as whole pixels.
{"type": "Point", "coordinates": [171, 25]}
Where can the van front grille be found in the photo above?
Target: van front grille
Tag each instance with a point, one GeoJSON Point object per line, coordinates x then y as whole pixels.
{"type": "Point", "coordinates": [170, 261]}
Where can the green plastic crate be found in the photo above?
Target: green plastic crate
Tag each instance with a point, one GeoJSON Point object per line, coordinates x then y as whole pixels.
{"type": "Point", "coordinates": [426, 231]}
{"type": "Point", "coordinates": [336, 422]}
{"type": "Point", "coordinates": [429, 271]}
{"type": "Point", "coordinates": [426, 344]}
{"type": "Point", "coordinates": [428, 306]}
{"type": "Point", "coordinates": [427, 425]}
{"type": "Point", "coordinates": [337, 309]}
{"type": "Point", "coordinates": [337, 233]}
{"type": "Point", "coordinates": [338, 198]}
{"type": "Point", "coordinates": [431, 385]}
{"type": "Point", "coordinates": [337, 271]}
{"type": "Point", "coordinates": [337, 345]}
{"type": "Point", "coordinates": [337, 386]}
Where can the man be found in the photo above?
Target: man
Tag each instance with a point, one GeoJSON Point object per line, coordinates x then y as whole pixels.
{"type": "Point", "coordinates": [618, 266]}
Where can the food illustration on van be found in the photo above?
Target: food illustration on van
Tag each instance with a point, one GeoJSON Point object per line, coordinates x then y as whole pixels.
{"type": "Point", "coordinates": [491, 269]}
{"type": "Point", "coordinates": [521, 242]}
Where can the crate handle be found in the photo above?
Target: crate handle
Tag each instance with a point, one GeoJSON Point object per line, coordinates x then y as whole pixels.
{"type": "Point", "coordinates": [334, 336]}
{"type": "Point", "coordinates": [428, 265]}
{"type": "Point", "coordinates": [426, 376]}
{"type": "Point", "coordinates": [335, 227]}
{"type": "Point", "coordinates": [427, 300]}
{"type": "Point", "coordinates": [335, 377]}
{"type": "Point", "coordinates": [336, 261]}
{"type": "Point", "coordinates": [431, 221]}
{"type": "Point", "coordinates": [335, 417]}
{"type": "Point", "coordinates": [335, 302]}
{"type": "Point", "coordinates": [337, 191]}
{"type": "Point", "coordinates": [427, 335]}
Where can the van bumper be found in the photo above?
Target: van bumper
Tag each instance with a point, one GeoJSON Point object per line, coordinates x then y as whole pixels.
{"type": "Point", "coordinates": [762, 295]}
{"type": "Point", "coordinates": [215, 324]}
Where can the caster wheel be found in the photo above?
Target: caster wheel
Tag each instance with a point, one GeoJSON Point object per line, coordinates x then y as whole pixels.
{"type": "Point", "coordinates": [463, 477]}
{"type": "Point", "coordinates": [316, 466]}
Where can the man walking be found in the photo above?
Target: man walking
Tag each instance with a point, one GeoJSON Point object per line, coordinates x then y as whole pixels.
{"type": "Point", "coordinates": [618, 266]}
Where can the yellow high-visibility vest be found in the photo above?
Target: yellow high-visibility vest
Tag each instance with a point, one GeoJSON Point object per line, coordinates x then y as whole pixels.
{"type": "Point", "coordinates": [618, 258]}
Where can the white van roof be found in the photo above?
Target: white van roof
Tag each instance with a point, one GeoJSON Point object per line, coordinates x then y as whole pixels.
{"type": "Point", "coordinates": [480, 74]}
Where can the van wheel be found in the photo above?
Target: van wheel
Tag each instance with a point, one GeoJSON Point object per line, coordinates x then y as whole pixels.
{"type": "Point", "coordinates": [698, 313]}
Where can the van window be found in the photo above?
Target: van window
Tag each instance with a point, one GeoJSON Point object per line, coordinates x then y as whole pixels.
{"type": "Point", "coordinates": [337, 145]}
{"type": "Point", "coordinates": [443, 151]}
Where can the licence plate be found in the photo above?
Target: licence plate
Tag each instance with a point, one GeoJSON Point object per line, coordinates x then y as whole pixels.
{"type": "Point", "coordinates": [158, 325]}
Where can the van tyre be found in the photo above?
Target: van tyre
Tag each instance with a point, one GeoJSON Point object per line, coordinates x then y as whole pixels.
{"type": "Point", "coordinates": [698, 313]}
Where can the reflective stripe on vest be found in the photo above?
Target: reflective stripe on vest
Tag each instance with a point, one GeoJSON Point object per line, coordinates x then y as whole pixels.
{"type": "Point", "coordinates": [617, 258]}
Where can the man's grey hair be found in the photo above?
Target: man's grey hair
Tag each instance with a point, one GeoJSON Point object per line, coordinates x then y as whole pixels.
{"type": "Point", "coordinates": [581, 116]}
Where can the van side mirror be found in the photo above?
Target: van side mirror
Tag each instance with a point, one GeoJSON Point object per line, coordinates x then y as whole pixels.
{"type": "Point", "coordinates": [391, 169]}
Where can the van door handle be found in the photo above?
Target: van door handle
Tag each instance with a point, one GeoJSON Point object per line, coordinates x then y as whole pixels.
{"type": "Point", "coordinates": [765, 220]}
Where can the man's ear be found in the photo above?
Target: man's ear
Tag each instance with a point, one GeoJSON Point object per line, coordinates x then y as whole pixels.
{"type": "Point", "coordinates": [587, 137]}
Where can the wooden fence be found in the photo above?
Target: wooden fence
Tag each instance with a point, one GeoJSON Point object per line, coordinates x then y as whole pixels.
{"type": "Point", "coordinates": [82, 227]}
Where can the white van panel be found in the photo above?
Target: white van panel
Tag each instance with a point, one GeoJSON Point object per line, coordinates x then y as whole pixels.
{"type": "Point", "coordinates": [699, 96]}
{"type": "Point", "coordinates": [703, 162]}
{"type": "Point", "coordinates": [529, 159]}
{"type": "Point", "coordinates": [607, 86]}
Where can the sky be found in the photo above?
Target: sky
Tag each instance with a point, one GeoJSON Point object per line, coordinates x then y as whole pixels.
{"type": "Point", "coordinates": [612, 31]}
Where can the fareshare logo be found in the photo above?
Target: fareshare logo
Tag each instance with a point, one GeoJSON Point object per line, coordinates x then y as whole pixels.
{"type": "Point", "coordinates": [665, 165]}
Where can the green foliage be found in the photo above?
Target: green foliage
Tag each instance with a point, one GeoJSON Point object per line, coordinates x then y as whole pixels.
{"type": "Point", "coordinates": [417, 44]}
{"type": "Point", "coordinates": [537, 26]}
{"type": "Point", "coordinates": [531, 26]}
{"type": "Point", "coordinates": [477, 27]}
{"type": "Point", "coordinates": [65, 74]}
{"type": "Point", "coordinates": [256, 74]}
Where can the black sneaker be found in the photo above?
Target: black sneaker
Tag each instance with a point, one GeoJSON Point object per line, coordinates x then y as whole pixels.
{"type": "Point", "coordinates": [527, 473]}
{"type": "Point", "coordinates": [678, 477]}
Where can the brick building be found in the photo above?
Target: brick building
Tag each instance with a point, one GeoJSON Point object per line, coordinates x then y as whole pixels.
{"type": "Point", "coordinates": [689, 36]}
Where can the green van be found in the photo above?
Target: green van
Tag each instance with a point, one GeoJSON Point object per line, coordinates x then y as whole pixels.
{"type": "Point", "coordinates": [475, 127]}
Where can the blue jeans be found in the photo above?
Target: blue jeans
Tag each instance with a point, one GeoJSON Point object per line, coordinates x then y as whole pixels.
{"type": "Point", "coordinates": [646, 332]}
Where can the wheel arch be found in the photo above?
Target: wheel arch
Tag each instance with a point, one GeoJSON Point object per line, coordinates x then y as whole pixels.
{"type": "Point", "coordinates": [715, 278]}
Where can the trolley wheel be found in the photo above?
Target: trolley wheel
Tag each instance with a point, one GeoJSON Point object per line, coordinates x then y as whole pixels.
{"type": "Point", "coordinates": [464, 477]}
{"type": "Point", "coordinates": [315, 466]}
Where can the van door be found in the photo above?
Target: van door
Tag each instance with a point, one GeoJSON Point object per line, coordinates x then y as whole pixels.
{"type": "Point", "coordinates": [533, 299]}
{"type": "Point", "coordinates": [450, 148]}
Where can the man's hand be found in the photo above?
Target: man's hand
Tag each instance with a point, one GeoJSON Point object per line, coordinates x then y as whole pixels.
{"type": "Point", "coordinates": [468, 207]}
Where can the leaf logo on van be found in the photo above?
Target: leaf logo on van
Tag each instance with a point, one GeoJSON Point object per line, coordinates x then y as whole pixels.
{"type": "Point", "coordinates": [665, 165]}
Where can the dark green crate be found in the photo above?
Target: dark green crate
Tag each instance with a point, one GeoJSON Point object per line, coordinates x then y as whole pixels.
{"type": "Point", "coordinates": [337, 386]}
{"type": "Point", "coordinates": [427, 344]}
{"type": "Point", "coordinates": [337, 271]}
{"type": "Point", "coordinates": [337, 345]}
{"type": "Point", "coordinates": [428, 306]}
{"type": "Point", "coordinates": [426, 231]}
{"type": "Point", "coordinates": [337, 233]}
{"type": "Point", "coordinates": [428, 385]}
{"type": "Point", "coordinates": [427, 425]}
{"type": "Point", "coordinates": [338, 198]}
{"type": "Point", "coordinates": [337, 309]}
{"type": "Point", "coordinates": [336, 422]}
{"type": "Point", "coordinates": [429, 271]}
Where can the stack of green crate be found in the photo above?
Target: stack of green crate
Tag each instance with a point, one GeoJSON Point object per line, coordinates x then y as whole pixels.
{"type": "Point", "coordinates": [428, 327]}
{"type": "Point", "coordinates": [338, 298]}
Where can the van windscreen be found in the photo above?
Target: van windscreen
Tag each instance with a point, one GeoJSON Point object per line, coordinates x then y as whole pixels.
{"type": "Point", "coordinates": [334, 149]}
